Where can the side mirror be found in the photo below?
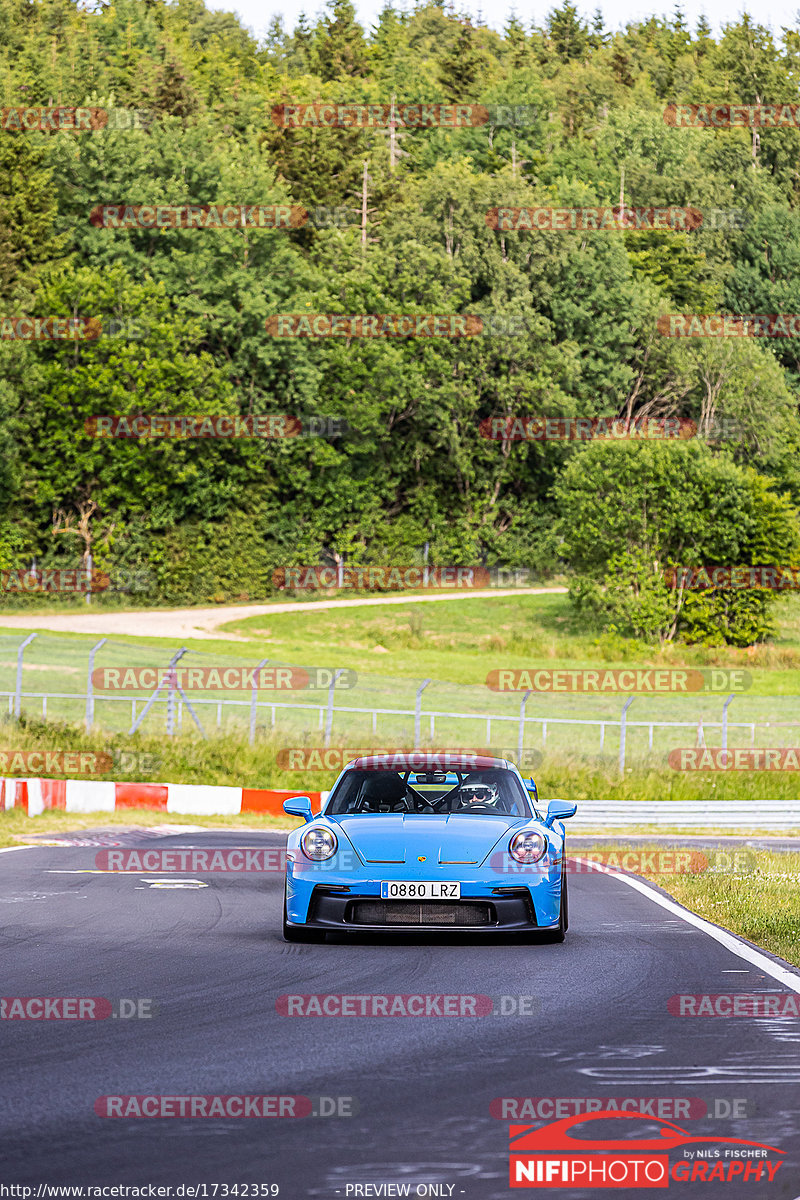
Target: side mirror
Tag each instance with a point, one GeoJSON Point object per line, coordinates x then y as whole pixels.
{"type": "Point", "coordinates": [298, 806]}
{"type": "Point", "coordinates": [531, 787]}
{"type": "Point", "coordinates": [559, 810]}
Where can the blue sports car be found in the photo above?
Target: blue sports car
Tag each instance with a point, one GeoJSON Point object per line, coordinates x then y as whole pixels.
{"type": "Point", "coordinates": [427, 841]}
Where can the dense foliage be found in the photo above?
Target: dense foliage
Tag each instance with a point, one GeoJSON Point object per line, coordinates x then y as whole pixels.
{"type": "Point", "coordinates": [214, 518]}
{"type": "Point", "coordinates": [635, 524]}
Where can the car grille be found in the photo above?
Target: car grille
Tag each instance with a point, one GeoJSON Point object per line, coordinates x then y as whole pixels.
{"type": "Point", "coordinates": [404, 912]}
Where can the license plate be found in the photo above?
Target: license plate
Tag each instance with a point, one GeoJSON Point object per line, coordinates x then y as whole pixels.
{"type": "Point", "coordinates": [397, 889]}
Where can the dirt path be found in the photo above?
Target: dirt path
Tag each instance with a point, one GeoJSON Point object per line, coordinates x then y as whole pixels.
{"type": "Point", "coordinates": [203, 623]}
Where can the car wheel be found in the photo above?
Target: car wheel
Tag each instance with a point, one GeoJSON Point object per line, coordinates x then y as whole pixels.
{"type": "Point", "coordinates": [559, 933]}
{"type": "Point", "coordinates": [296, 933]}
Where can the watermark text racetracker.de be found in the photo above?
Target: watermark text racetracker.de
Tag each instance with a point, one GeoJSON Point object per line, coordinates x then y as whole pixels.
{"type": "Point", "coordinates": [204, 1107]}
{"type": "Point", "coordinates": [725, 325]}
{"type": "Point", "coordinates": [614, 219]}
{"type": "Point", "coordinates": [733, 578]}
{"type": "Point", "coordinates": [54, 580]}
{"type": "Point", "coordinates": [399, 577]}
{"type": "Point", "coordinates": [63, 118]}
{"type": "Point", "coordinates": [363, 578]}
{"type": "Point", "coordinates": [54, 762]}
{"type": "Point", "coordinates": [401, 114]}
{"type": "Point", "coordinates": [222, 678]}
{"type": "Point", "coordinates": [587, 429]}
{"type": "Point", "coordinates": [231, 859]}
{"type": "Point", "coordinates": [335, 758]}
{"type": "Point", "coordinates": [661, 1108]}
{"type": "Point", "coordinates": [406, 1005]}
{"type": "Point", "coordinates": [739, 758]}
{"type": "Point", "coordinates": [24, 328]}
{"type": "Point", "coordinates": [598, 681]}
{"type": "Point", "coordinates": [731, 116]}
{"type": "Point", "coordinates": [755, 1005]}
{"type": "Point", "coordinates": [46, 763]}
{"type": "Point", "coordinates": [218, 216]}
{"type": "Point", "coordinates": [74, 1008]}
{"type": "Point", "coordinates": [198, 216]}
{"type": "Point", "coordinates": [262, 426]}
{"type": "Point", "coordinates": [396, 325]}
{"type": "Point", "coordinates": [72, 580]}
{"type": "Point", "coordinates": [651, 861]}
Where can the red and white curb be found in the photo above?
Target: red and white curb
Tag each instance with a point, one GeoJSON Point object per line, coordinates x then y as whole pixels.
{"type": "Point", "coordinates": [91, 795]}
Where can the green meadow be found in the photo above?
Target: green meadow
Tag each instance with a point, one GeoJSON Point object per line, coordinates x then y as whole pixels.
{"type": "Point", "coordinates": [571, 740]}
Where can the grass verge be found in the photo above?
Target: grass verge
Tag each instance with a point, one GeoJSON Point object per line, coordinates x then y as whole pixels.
{"type": "Point", "coordinates": [462, 642]}
{"type": "Point", "coordinates": [760, 904]}
{"type": "Point", "coordinates": [457, 641]}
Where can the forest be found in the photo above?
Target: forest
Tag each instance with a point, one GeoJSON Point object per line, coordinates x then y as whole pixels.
{"type": "Point", "coordinates": [334, 241]}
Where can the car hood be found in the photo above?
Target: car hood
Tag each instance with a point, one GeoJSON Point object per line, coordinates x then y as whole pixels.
{"type": "Point", "coordinates": [406, 837]}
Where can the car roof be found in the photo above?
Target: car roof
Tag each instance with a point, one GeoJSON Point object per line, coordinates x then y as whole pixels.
{"type": "Point", "coordinates": [427, 760]}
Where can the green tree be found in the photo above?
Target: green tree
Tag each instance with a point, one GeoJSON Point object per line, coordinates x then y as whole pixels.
{"type": "Point", "coordinates": [569, 35]}
{"type": "Point", "coordinates": [632, 513]}
{"type": "Point", "coordinates": [28, 216]}
{"type": "Point", "coordinates": [517, 42]}
{"type": "Point", "coordinates": [173, 96]}
{"type": "Point", "coordinates": [703, 40]}
{"type": "Point", "coordinates": [461, 67]}
{"type": "Point", "coordinates": [300, 47]}
{"type": "Point", "coordinates": [598, 36]}
{"type": "Point", "coordinates": [340, 48]}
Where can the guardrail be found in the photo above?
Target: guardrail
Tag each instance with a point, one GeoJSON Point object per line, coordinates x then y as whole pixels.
{"type": "Point", "coordinates": [720, 814]}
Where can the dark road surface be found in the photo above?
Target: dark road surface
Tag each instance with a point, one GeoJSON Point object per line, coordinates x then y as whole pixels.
{"type": "Point", "coordinates": [212, 960]}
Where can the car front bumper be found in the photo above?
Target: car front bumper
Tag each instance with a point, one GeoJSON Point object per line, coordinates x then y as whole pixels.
{"type": "Point", "coordinates": [499, 904]}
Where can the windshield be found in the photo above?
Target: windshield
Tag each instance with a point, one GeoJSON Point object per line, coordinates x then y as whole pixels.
{"type": "Point", "coordinates": [485, 792]}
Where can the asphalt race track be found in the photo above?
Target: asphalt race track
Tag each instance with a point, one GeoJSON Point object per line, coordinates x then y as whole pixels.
{"type": "Point", "coordinates": [213, 962]}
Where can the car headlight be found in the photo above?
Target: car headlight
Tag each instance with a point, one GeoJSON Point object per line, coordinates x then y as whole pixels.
{"type": "Point", "coordinates": [318, 844]}
{"type": "Point", "coordinates": [527, 847]}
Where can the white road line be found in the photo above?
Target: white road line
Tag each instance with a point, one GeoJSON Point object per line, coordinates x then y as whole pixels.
{"type": "Point", "coordinates": [172, 884]}
{"type": "Point", "coordinates": [9, 849]}
{"type": "Point", "coordinates": [730, 941]}
{"type": "Point", "coordinates": [782, 1072]}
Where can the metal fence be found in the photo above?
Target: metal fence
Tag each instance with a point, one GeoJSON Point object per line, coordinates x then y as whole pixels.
{"type": "Point", "coordinates": [395, 712]}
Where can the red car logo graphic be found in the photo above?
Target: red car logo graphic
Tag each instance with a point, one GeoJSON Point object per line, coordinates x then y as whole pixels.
{"type": "Point", "coordinates": [555, 1136]}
